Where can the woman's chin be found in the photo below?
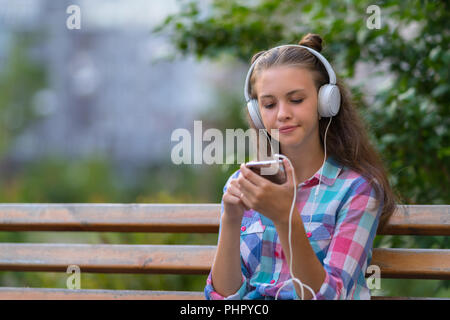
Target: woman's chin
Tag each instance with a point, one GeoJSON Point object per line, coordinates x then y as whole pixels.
{"type": "Point", "coordinates": [291, 142]}
{"type": "Point", "coordinates": [291, 139]}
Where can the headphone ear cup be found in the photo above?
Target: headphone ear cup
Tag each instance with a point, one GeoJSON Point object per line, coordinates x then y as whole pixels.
{"type": "Point", "coordinates": [329, 100]}
{"type": "Point", "coordinates": [253, 110]}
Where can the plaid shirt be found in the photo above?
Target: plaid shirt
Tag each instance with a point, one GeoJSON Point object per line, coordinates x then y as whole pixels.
{"type": "Point", "coordinates": [342, 228]}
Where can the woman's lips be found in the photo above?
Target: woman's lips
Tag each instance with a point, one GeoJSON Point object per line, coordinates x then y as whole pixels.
{"type": "Point", "coordinates": [288, 130]}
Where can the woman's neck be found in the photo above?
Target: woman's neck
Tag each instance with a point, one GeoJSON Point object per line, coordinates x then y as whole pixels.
{"type": "Point", "coordinates": [306, 162]}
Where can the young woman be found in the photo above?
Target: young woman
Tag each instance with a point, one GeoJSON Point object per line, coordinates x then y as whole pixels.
{"type": "Point", "coordinates": [342, 191]}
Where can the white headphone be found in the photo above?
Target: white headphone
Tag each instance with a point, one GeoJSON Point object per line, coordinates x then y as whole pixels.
{"type": "Point", "coordinates": [329, 97]}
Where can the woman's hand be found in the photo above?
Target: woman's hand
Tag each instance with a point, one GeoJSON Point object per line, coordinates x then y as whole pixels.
{"type": "Point", "coordinates": [270, 199]}
{"type": "Point", "coordinates": [234, 207]}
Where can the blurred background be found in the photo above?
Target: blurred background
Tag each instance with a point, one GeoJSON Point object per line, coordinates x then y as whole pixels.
{"type": "Point", "coordinates": [86, 115]}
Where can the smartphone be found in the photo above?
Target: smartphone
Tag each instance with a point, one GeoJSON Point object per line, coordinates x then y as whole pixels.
{"type": "Point", "coordinates": [277, 174]}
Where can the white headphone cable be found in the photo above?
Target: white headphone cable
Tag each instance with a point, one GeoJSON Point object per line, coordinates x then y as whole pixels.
{"type": "Point", "coordinates": [321, 170]}
{"type": "Point", "coordinates": [302, 285]}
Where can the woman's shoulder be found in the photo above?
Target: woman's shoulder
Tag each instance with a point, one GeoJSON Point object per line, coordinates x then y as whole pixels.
{"type": "Point", "coordinates": [353, 181]}
{"type": "Point", "coordinates": [360, 191]}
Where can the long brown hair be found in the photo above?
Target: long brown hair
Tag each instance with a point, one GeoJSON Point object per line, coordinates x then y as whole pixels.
{"type": "Point", "coordinates": [347, 139]}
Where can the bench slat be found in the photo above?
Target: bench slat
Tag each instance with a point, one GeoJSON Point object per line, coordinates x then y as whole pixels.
{"type": "Point", "coordinates": [413, 263]}
{"type": "Point", "coordinates": [419, 220]}
{"type": "Point", "coordinates": [11, 293]}
{"type": "Point", "coordinates": [181, 259]}
{"type": "Point", "coordinates": [170, 259]}
{"type": "Point", "coordinates": [188, 218]}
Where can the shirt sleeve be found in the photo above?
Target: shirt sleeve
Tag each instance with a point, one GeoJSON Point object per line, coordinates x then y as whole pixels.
{"type": "Point", "coordinates": [210, 293]}
{"type": "Point", "coordinates": [352, 242]}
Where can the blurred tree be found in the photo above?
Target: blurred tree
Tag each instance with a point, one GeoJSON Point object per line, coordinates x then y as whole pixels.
{"type": "Point", "coordinates": [20, 79]}
{"type": "Point", "coordinates": [57, 180]}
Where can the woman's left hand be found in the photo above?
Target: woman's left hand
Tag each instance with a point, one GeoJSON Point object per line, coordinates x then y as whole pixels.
{"type": "Point", "coordinates": [270, 199]}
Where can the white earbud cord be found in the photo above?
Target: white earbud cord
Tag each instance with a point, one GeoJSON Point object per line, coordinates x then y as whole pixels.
{"type": "Point", "coordinates": [302, 285]}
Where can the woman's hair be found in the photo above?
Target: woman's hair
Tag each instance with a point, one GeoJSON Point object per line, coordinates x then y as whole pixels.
{"type": "Point", "coordinates": [347, 140]}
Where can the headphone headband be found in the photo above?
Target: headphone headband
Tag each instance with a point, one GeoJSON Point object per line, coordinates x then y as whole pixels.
{"type": "Point", "coordinates": [326, 64]}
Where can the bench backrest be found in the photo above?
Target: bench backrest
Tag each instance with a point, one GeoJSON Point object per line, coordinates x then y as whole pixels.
{"type": "Point", "coordinates": [182, 259]}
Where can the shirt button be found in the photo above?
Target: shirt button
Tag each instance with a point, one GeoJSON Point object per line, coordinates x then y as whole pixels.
{"type": "Point", "coordinates": [243, 228]}
{"type": "Point", "coordinates": [272, 281]}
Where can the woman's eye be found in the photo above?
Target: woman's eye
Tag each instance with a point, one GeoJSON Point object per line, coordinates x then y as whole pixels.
{"type": "Point", "coordinates": [269, 106]}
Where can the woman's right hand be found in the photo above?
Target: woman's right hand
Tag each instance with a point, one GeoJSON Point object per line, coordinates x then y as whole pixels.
{"type": "Point", "coordinates": [234, 207]}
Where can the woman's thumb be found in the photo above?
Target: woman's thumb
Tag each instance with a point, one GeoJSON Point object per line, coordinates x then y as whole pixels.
{"type": "Point", "coordinates": [288, 170]}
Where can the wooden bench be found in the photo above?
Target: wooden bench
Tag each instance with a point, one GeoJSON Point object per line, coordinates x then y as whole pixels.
{"type": "Point", "coordinates": [176, 259]}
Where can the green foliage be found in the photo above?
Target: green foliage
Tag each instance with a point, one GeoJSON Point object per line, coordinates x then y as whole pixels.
{"type": "Point", "coordinates": [409, 116]}
{"type": "Point", "coordinates": [56, 180]}
{"type": "Point", "coordinates": [20, 79]}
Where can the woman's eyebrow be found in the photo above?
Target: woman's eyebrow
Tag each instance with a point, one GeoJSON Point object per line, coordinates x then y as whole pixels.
{"type": "Point", "coordinates": [287, 94]}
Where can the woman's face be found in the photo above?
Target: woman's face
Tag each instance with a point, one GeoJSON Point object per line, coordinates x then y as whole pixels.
{"type": "Point", "coordinates": [287, 96]}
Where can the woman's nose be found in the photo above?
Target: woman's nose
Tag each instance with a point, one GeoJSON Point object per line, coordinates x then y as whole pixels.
{"type": "Point", "coordinates": [284, 111]}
